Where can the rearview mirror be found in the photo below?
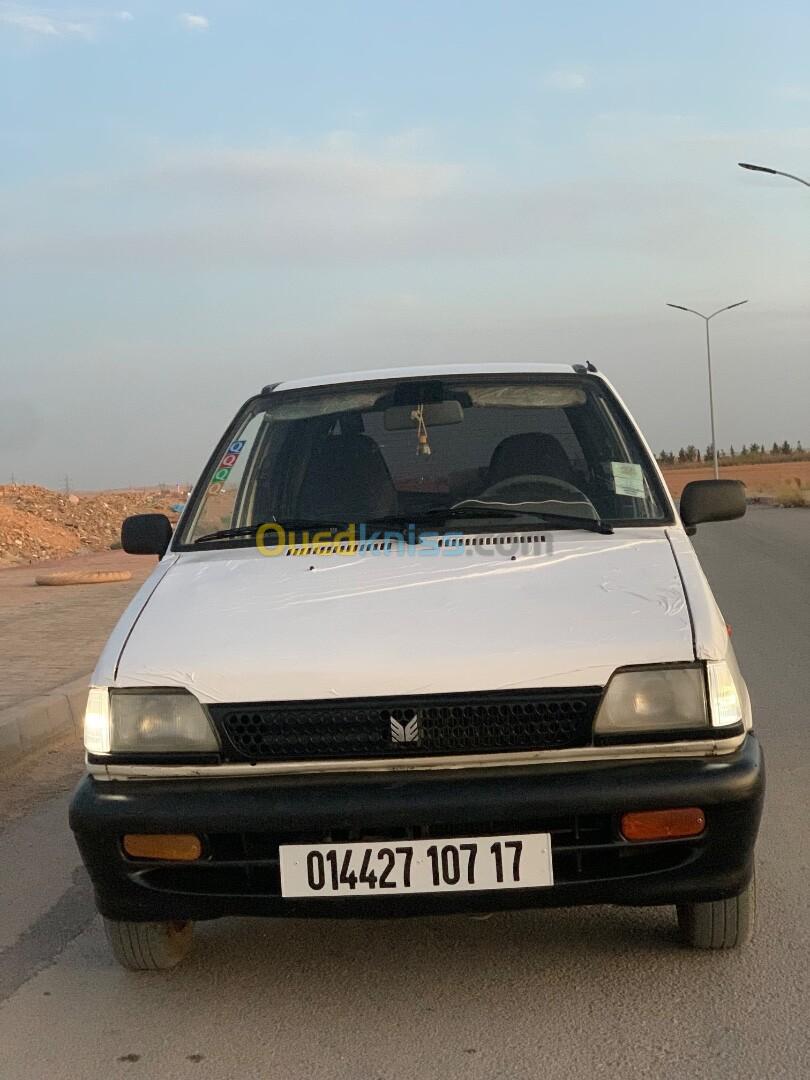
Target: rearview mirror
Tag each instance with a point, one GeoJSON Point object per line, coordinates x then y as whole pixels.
{"type": "Point", "coordinates": [146, 534]}
{"type": "Point", "coordinates": [712, 500]}
{"type": "Point", "coordinates": [434, 413]}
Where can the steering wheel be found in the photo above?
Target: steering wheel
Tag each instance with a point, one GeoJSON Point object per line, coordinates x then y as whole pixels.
{"type": "Point", "coordinates": [501, 487]}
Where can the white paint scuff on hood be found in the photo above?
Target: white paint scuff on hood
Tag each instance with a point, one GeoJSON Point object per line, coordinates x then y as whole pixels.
{"type": "Point", "coordinates": [234, 625]}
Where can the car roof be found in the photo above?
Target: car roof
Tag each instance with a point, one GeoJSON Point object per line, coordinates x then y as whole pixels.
{"type": "Point", "coordinates": [427, 370]}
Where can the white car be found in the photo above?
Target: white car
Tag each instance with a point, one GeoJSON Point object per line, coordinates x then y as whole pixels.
{"type": "Point", "coordinates": [426, 640]}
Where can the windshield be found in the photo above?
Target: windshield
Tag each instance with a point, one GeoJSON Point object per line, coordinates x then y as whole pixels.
{"type": "Point", "coordinates": [453, 453]}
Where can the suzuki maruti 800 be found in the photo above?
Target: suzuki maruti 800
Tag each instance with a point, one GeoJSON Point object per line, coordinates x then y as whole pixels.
{"type": "Point", "coordinates": [428, 640]}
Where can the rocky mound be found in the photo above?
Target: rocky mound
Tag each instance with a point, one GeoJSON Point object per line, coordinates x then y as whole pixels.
{"type": "Point", "coordinates": [37, 523]}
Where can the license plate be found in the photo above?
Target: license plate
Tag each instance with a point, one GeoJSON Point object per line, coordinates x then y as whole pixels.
{"type": "Point", "coordinates": [416, 866]}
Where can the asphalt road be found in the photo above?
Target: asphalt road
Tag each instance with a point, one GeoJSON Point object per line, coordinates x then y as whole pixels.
{"type": "Point", "coordinates": [598, 992]}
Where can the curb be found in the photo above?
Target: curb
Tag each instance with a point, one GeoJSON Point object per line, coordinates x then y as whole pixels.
{"type": "Point", "coordinates": [30, 724]}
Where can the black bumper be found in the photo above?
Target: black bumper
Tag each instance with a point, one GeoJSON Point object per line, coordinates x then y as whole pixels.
{"type": "Point", "coordinates": [243, 821]}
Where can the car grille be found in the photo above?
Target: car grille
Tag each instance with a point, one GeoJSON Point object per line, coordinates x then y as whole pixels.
{"type": "Point", "coordinates": [490, 722]}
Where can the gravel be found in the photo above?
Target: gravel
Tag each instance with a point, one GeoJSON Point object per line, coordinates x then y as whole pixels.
{"type": "Point", "coordinates": [37, 523]}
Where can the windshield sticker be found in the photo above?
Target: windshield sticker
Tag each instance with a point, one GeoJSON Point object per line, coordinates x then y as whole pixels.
{"type": "Point", "coordinates": [628, 479]}
{"type": "Point", "coordinates": [229, 459]}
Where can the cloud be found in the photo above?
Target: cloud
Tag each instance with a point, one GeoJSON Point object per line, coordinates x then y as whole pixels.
{"type": "Point", "coordinates": [47, 22]}
{"type": "Point", "coordinates": [43, 23]}
{"type": "Point", "coordinates": [194, 22]}
{"type": "Point", "coordinates": [337, 168]}
{"type": "Point", "coordinates": [633, 222]}
{"type": "Point", "coordinates": [567, 79]}
{"type": "Point", "coordinates": [653, 144]}
{"type": "Point", "coordinates": [336, 203]}
{"type": "Point", "coordinates": [289, 202]}
{"type": "Point", "coordinates": [793, 92]}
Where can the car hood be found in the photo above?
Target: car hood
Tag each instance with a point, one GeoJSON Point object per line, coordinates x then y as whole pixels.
{"type": "Point", "coordinates": [234, 625]}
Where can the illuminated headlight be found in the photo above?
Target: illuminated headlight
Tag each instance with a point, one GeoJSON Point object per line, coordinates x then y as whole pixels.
{"type": "Point", "coordinates": [146, 722]}
{"type": "Point", "coordinates": [724, 699]}
{"type": "Point", "coordinates": [97, 721]}
{"type": "Point", "coordinates": [669, 699]}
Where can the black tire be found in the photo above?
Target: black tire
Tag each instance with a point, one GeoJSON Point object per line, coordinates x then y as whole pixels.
{"type": "Point", "coordinates": [149, 946]}
{"type": "Point", "coordinates": [720, 924]}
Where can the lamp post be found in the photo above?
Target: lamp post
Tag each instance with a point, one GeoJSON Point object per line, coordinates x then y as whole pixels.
{"type": "Point", "coordinates": [707, 319]}
{"type": "Point", "coordinates": [773, 172]}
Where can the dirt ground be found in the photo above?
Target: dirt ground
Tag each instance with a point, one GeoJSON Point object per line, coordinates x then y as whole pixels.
{"type": "Point", "coordinates": [767, 479]}
{"type": "Point", "coordinates": [37, 523]}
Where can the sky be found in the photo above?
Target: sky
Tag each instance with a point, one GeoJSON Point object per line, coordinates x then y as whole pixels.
{"type": "Point", "coordinates": [196, 202]}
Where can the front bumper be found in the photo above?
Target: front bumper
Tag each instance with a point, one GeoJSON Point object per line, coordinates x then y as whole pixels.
{"type": "Point", "coordinates": [242, 822]}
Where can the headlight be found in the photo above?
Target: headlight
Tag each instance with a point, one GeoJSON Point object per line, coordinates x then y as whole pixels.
{"type": "Point", "coordinates": [148, 722]}
{"type": "Point", "coordinates": [97, 721]}
{"type": "Point", "coordinates": [724, 699]}
{"type": "Point", "coordinates": [653, 700]}
{"type": "Point", "coordinates": [656, 700]}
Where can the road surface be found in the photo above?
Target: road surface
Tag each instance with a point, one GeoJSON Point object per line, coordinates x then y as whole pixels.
{"type": "Point", "coordinates": [585, 993]}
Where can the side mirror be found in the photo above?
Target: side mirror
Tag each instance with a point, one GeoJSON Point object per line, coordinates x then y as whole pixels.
{"type": "Point", "coordinates": [146, 534]}
{"type": "Point", "coordinates": [712, 500]}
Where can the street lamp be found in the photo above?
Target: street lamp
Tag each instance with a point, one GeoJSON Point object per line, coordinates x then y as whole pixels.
{"type": "Point", "coordinates": [707, 319]}
{"type": "Point", "coordinates": [773, 172]}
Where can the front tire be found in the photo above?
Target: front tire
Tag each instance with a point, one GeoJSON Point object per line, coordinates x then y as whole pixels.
{"type": "Point", "coordinates": [148, 946]}
{"type": "Point", "coordinates": [720, 924]}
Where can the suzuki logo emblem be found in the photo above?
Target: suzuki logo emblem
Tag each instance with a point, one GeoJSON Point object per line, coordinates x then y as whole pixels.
{"type": "Point", "coordinates": [405, 730]}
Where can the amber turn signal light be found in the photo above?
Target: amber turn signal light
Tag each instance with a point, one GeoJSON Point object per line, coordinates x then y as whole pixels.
{"type": "Point", "coordinates": [177, 847]}
{"type": "Point", "coordinates": [663, 824]}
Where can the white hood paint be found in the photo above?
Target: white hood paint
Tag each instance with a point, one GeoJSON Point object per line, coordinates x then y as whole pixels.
{"type": "Point", "coordinates": [234, 625]}
{"type": "Point", "coordinates": [711, 633]}
{"type": "Point", "coordinates": [104, 673]}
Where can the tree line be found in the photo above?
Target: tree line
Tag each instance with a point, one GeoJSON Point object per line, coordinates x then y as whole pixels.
{"type": "Point", "coordinates": [751, 454]}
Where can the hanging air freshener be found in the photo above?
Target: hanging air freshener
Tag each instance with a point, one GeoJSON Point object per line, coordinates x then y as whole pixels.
{"type": "Point", "coordinates": [422, 444]}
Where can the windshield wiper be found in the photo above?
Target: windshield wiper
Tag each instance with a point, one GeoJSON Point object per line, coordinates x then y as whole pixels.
{"type": "Point", "coordinates": [426, 517]}
{"type": "Point", "coordinates": [467, 510]}
{"type": "Point", "coordinates": [287, 526]}
{"type": "Point", "coordinates": [227, 534]}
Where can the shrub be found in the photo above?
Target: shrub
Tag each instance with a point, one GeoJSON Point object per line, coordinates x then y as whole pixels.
{"type": "Point", "coordinates": [790, 493]}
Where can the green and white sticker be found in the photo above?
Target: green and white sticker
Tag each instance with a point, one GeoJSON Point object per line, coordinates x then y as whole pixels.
{"type": "Point", "coordinates": [628, 479]}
